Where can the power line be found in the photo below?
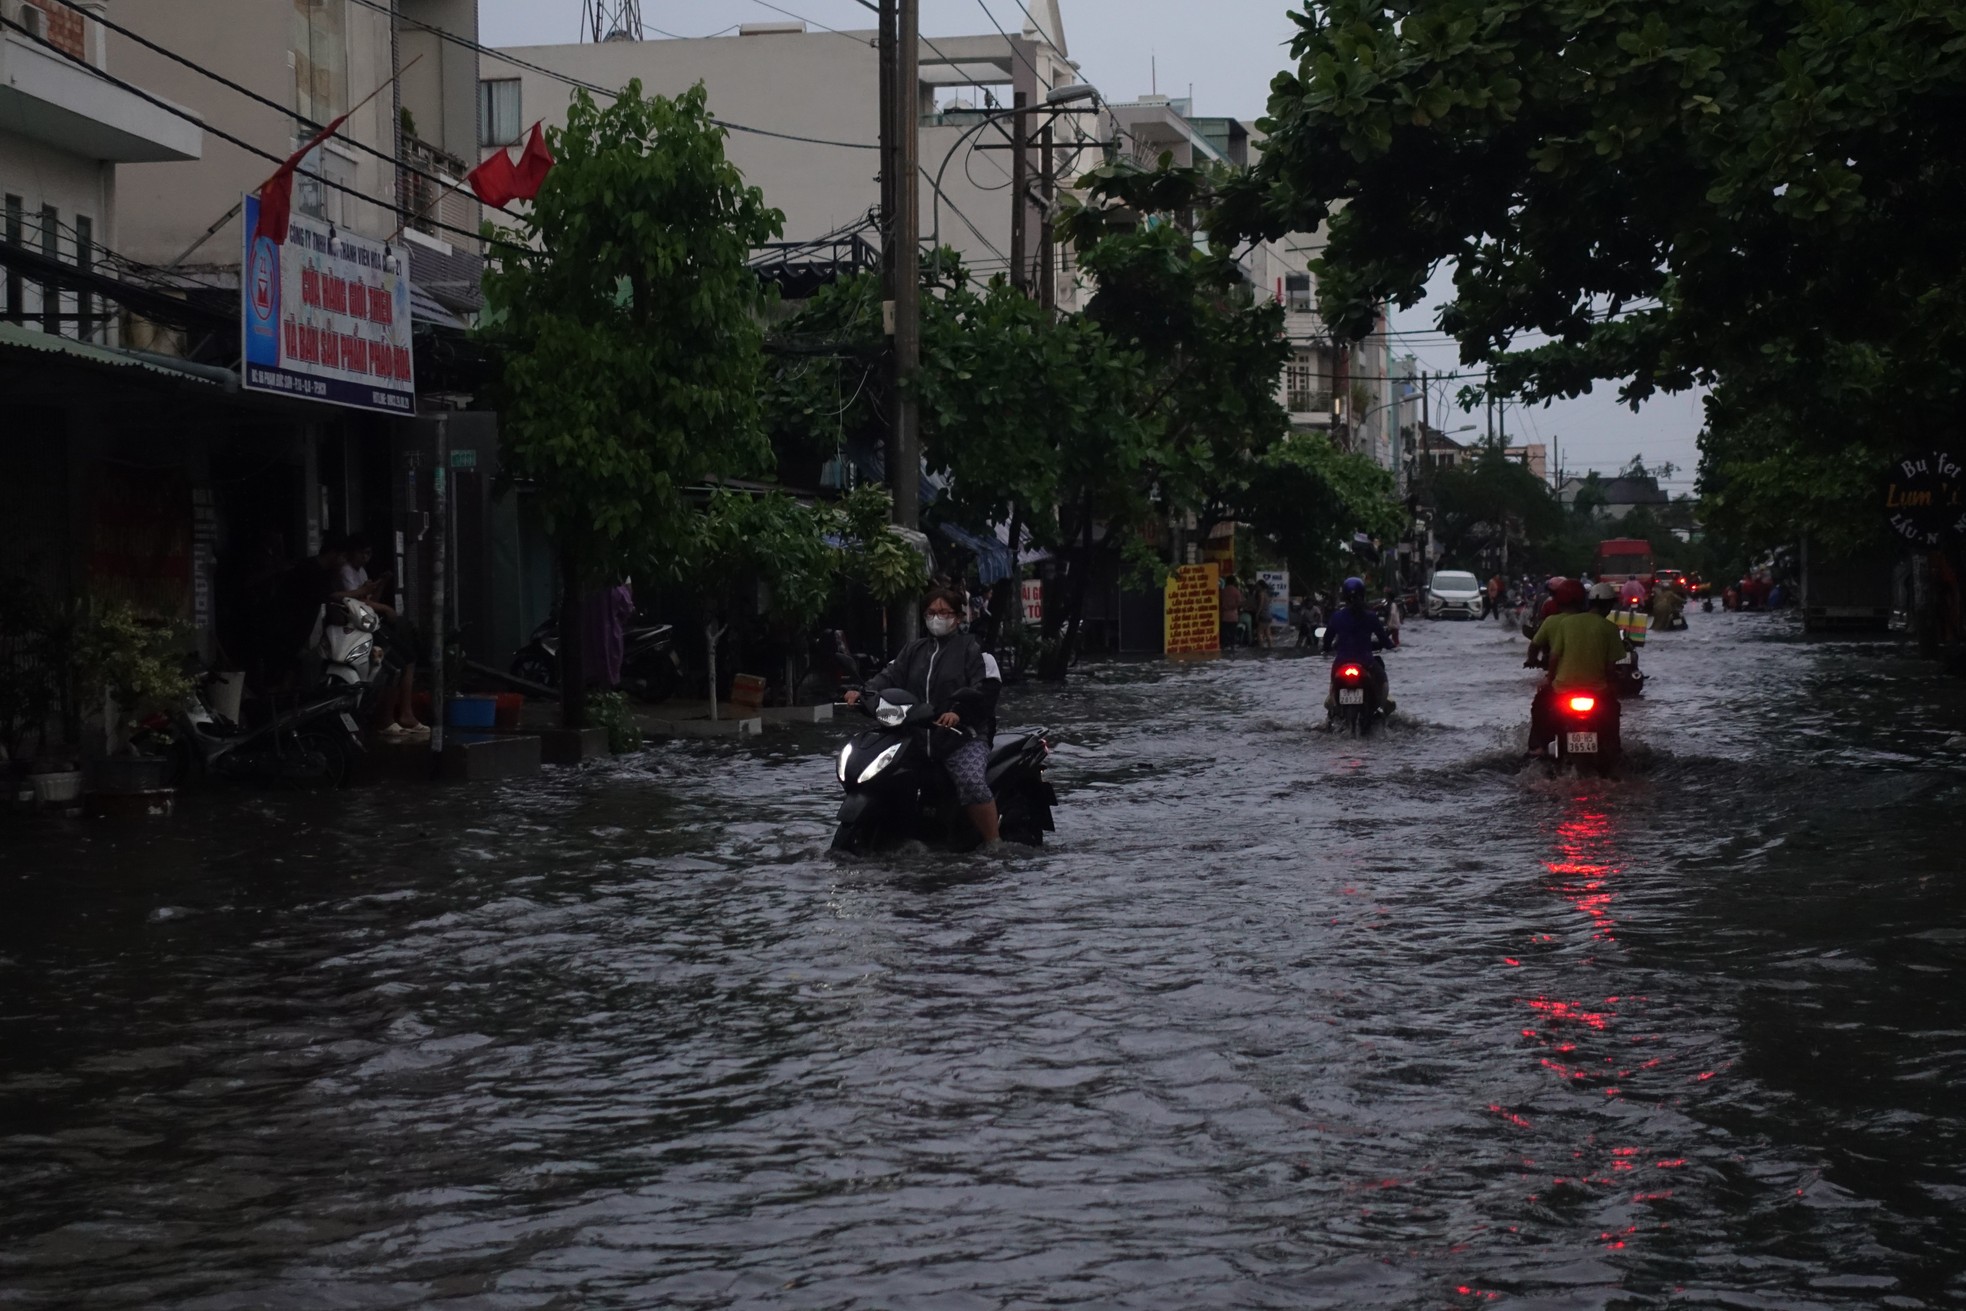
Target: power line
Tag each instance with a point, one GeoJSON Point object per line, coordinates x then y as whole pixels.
{"type": "Point", "coordinates": [274, 105]}
{"type": "Point", "coordinates": [807, 21]}
{"type": "Point", "coordinates": [247, 146]}
{"type": "Point", "coordinates": [487, 52]}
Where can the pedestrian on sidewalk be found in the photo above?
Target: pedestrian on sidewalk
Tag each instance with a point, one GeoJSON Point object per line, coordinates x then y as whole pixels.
{"type": "Point", "coordinates": [397, 634]}
{"type": "Point", "coordinates": [604, 616]}
{"type": "Point", "coordinates": [1231, 611]}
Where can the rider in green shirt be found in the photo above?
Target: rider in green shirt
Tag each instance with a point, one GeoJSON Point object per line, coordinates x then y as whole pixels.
{"type": "Point", "coordinates": [1583, 644]}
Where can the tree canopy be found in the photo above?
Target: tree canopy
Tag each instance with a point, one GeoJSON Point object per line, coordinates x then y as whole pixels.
{"type": "Point", "coordinates": [632, 329]}
{"type": "Point", "coordinates": [1673, 191]}
{"type": "Point", "coordinates": [632, 340]}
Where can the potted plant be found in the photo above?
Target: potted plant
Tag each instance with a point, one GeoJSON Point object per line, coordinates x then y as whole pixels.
{"type": "Point", "coordinates": [133, 666]}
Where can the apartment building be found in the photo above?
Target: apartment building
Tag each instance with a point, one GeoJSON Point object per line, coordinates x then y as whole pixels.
{"type": "Point", "coordinates": [804, 112]}
{"type": "Point", "coordinates": [65, 132]}
{"type": "Point", "coordinates": [1349, 391]}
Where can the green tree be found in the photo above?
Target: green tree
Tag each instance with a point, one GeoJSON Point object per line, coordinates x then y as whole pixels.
{"type": "Point", "coordinates": [1752, 193]}
{"type": "Point", "coordinates": [631, 340]}
{"type": "Point", "coordinates": [1196, 362]}
{"type": "Point", "coordinates": [1308, 497]}
{"type": "Point", "coordinates": [1496, 502]}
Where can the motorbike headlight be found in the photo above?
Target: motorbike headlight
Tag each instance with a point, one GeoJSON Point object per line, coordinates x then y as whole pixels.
{"type": "Point", "coordinates": [882, 761]}
{"type": "Point", "coordinates": [891, 715]}
{"type": "Point", "coordinates": [840, 767]}
{"type": "Point", "coordinates": [369, 622]}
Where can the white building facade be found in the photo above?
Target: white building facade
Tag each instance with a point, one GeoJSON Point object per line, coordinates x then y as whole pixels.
{"type": "Point", "coordinates": [64, 134]}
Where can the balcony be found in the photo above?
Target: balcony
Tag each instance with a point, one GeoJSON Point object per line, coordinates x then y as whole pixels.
{"type": "Point", "coordinates": [1308, 408]}
{"type": "Point", "coordinates": [62, 104]}
{"type": "Point", "coordinates": [434, 204]}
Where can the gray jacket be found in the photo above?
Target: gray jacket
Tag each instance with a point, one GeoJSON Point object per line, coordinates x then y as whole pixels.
{"type": "Point", "coordinates": [934, 669]}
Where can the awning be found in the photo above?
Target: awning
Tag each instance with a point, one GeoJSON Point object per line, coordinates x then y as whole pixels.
{"type": "Point", "coordinates": [992, 556]}
{"type": "Point", "coordinates": [14, 336]}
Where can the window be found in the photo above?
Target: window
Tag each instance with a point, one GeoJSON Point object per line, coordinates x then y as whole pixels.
{"type": "Point", "coordinates": [320, 59]}
{"type": "Point", "coordinates": [498, 111]}
{"type": "Point", "coordinates": [312, 196]}
{"type": "Point", "coordinates": [85, 261]}
{"type": "Point", "coordinates": [13, 307]}
{"type": "Point", "coordinates": [1297, 293]}
{"type": "Point", "coordinates": [51, 247]}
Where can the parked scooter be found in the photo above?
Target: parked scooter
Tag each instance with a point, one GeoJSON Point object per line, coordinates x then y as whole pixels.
{"type": "Point", "coordinates": [897, 790]}
{"type": "Point", "coordinates": [345, 644]}
{"type": "Point", "coordinates": [651, 667]}
{"type": "Point", "coordinates": [315, 741]}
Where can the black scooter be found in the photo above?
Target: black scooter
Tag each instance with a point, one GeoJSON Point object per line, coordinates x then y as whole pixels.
{"type": "Point", "coordinates": [897, 790]}
{"type": "Point", "coordinates": [314, 742]}
{"type": "Point", "coordinates": [1587, 738]}
{"type": "Point", "coordinates": [651, 668]}
{"type": "Point", "coordinates": [1355, 704]}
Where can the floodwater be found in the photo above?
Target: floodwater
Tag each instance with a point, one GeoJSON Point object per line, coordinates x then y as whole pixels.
{"type": "Point", "coordinates": [1280, 1019]}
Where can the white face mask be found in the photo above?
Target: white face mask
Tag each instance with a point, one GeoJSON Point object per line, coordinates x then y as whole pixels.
{"type": "Point", "coordinates": [941, 625]}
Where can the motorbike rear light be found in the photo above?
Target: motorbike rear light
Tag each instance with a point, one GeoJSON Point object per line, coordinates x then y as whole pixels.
{"type": "Point", "coordinates": [1583, 705]}
{"type": "Point", "coordinates": [1351, 673]}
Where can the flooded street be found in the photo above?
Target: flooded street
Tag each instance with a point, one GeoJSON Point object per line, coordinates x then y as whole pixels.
{"type": "Point", "coordinates": [1279, 1020]}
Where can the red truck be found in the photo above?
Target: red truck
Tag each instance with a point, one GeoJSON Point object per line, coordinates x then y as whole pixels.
{"type": "Point", "coordinates": [1620, 559]}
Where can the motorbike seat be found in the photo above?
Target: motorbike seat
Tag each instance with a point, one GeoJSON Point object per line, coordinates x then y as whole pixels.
{"type": "Point", "coordinates": [1008, 749]}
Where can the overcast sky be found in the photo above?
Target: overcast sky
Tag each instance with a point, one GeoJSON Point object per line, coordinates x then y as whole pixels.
{"type": "Point", "coordinates": [1227, 51]}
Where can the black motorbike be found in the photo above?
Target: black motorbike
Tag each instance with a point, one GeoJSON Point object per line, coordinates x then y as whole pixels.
{"type": "Point", "coordinates": [312, 742]}
{"type": "Point", "coordinates": [651, 667]}
{"type": "Point", "coordinates": [1587, 738]}
{"type": "Point", "coordinates": [897, 790]}
{"type": "Point", "coordinates": [1355, 704]}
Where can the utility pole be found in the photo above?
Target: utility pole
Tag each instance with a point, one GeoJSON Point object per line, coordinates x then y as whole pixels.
{"type": "Point", "coordinates": [1047, 243]}
{"type": "Point", "coordinates": [900, 49]}
{"type": "Point", "coordinates": [1020, 183]}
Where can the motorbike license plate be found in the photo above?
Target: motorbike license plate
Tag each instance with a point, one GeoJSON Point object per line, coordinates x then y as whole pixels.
{"type": "Point", "coordinates": [348, 722]}
{"type": "Point", "coordinates": [1351, 696]}
{"type": "Point", "coordinates": [1580, 744]}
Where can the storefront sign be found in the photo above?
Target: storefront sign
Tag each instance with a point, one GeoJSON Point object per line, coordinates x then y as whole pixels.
{"type": "Point", "coordinates": [1030, 594]}
{"type": "Point", "coordinates": [327, 317]}
{"type": "Point", "coordinates": [1193, 616]}
{"type": "Point", "coordinates": [1925, 499]}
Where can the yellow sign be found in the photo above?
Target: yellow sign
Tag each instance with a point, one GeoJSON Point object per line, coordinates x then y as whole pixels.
{"type": "Point", "coordinates": [1193, 609]}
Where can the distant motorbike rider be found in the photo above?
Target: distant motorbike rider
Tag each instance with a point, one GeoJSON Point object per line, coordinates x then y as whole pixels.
{"type": "Point", "coordinates": [1355, 635]}
{"type": "Point", "coordinates": [934, 669]}
{"type": "Point", "coordinates": [1582, 645]}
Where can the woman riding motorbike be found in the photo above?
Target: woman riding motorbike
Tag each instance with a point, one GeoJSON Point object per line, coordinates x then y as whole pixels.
{"type": "Point", "coordinates": [1356, 636]}
{"type": "Point", "coordinates": [935, 669]}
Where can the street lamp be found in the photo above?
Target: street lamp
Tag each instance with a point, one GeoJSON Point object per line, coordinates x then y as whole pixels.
{"type": "Point", "coordinates": [1054, 99]}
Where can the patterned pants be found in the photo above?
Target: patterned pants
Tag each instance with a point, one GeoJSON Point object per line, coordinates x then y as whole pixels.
{"type": "Point", "coordinates": [968, 767]}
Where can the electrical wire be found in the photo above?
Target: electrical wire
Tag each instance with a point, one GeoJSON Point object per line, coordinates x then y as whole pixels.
{"type": "Point", "coordinates": [807, 21]}
{"type": "Point", "coordinates": [274, 105]}
{"type": "Point", "coordinates": [247, 146]}
{"type": "Point", "coordinates": [487, 52]}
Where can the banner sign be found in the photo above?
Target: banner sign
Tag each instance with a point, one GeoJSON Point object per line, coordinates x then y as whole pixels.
{"type": "Point", "coordinates": [1030, 593]}
{"type": "Point", "coordinates": [327, 317]}
{"type": "Point", "coordinates": [1923, 499]}
{"type": "Point", "coordinates": [1193, 616]}
{"type": "Point", "coordinates": [1278, 581]}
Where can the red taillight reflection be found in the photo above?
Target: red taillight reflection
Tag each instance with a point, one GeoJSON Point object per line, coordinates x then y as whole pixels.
{"type": "Point", "coordinates": [1351, 673]}
{"type": "Point", "coordinates": [1583, 705]}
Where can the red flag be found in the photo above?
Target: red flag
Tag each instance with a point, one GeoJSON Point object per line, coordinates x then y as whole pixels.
{"type": "Point", "coordinates": [499, 182]}
{"type": "Point", "coordinates": [276, 194]}
{"type": "Point", "coordinates": [492, 180]}
{"type": "Point", "coordinates": [534, 162]}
